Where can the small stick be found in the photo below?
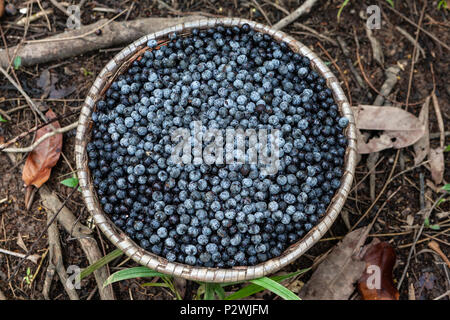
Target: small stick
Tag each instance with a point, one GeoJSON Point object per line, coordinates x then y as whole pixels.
{"type": "Point", "coordinates": [435, 247]}
{"type": "Point", "coordinates": [42, 139]}
{"type": "Point", "coordinates": [24, 94]}
{"type": "Point", "coordinates": [303, 9]}
{"type": "Point", "coordinates": [440, 121]}
{"type": "Point", "coordinates": [427, 215]}
{"type": "Point", "coordinates": [411, 39]}
{"type": "Point", "coordinates": [19, 255]}
{"type": "Point", "coordinates": [432, 36]}
{"type": "Point", "coordinates": [34, 17]}
{"type": "Point", "coordinates": [60, 7]}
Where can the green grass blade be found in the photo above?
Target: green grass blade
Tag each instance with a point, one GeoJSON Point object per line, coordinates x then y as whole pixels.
{"type": "Point", "coordinates": [131, 273]}
{"type": "Point", "coordinates": [276, 288]}
{"type": "Point", "coordinates": [2, 119]}
{"type": "Point", "coordinates": [155, 284]}
{"type": "Point", "coordinates": [209, 291]}
{"type": "Point", "coordinates": [391, 2]}
{"type": "Point", "coordinates": [252, 289]}
{"type": "Point", "coordinates": [220, 292]}
{"type": "Point", "coordinates": [100, 263]}
{"type": "Point", "coordinates": [342, 8]}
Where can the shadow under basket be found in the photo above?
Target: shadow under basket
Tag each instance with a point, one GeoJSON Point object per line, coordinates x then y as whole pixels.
{"type": "Point", "coordinates": [118, 65]}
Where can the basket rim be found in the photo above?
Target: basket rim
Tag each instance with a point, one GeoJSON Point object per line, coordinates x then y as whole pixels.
{"type": "Point", "coordinates": [206, 274]}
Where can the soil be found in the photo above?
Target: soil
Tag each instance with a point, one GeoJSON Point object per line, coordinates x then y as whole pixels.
{"type": "Point", "coordinates": [399, 217]}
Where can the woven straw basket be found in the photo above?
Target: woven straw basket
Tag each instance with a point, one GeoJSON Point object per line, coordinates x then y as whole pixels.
{"type": "Point", "coordinates": [120, 63]}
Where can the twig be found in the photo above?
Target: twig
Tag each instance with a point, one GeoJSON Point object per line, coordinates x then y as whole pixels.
{"type": "Point", "coordinates": [339, 70]}
{"type": "Point", "coordinates": [315, 33]}
{"type": "Point", "coordinates": [346, 52]}
{"type": "Point", "coordinates": [34, 17]}
{"type": "Point", "coordinates": [35, 128]}
{"type": "Point", "coordinates": [60, 7]}
{"type": "Point", "coordinates": [440, 121]}
{"type": "Point", "coordinates": [56, 260]}
{"type": "Point", "coordinates": [303, 9]}
{"type": "Point", "coordinates": [411, 39]}
{"type": "Point", "coordinates": [79, 41]}
{"type": "Point", "coordinates": [42, 139]}
{"type": "Point", "coordinates": [432, 36]}
{"type": "Point", "coordinates": [81, 35]}
{"type": "Point", "coordinates": [411, 73]}
{"type": "Point", "coordinates": [88, 244]}
{"type": "Point", "coordinates": [442, 295]}
{"type": "Point", "coordinates": [16, 269]}
{"type": "Point", "coordinates": [24, 94]}
{"type": "Point", "coordinates": [419, 233]}
{"type": "Point", "coordinates": [19, 255]}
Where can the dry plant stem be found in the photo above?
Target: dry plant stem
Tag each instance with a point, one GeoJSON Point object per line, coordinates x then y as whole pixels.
{"type": "Point", "coordinates": [339, 70]}
{"type": "Point", "coordinates": [16, 269]}
{"type": "Point", "coordinates": [60, 7]}
{"type": "Point", "coordinates": [34, 17]}
{"type": "Point", "coordinates": [24, 94]}
{"type": "Point", "coordinates": [18, 255]}
{"type": "Point", "coordinates": [346, 52]}
{"type": "Point", "coordinates": [315, 33]}
{"type": "Point", "coordinates": [82, 234]}
{"type": "Point", "coordinates": [439, 118]}
{"type": "Point", "coordinates": [49, 275]}
{"type": "Point", "coordinates": [432, 36]}
{"type": "Point", "coordinates": [305, 8]}
{"type": "Point", "coordinates": [41, 139]}
{"type": "Point", "coordinates": [426, 216]}
{"type": "Point", "coordinates": [55, 258]}
{"type": "Point", "coordinates": [77, 42]}
{"type": "Point", "coordinates": [377, 51]}
{"type": "Point", "coordinates": [412, 40]}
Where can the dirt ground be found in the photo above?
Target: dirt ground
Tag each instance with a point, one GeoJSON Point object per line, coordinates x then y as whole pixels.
{"type": "Point", "coordinates": [398, 206]}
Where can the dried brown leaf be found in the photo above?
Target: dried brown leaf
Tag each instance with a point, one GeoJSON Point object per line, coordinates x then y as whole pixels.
{"type": "Point", "coordinates": [422, 146]}
{"type": "Point", "coordinates": [437, 165]}
{"type": "Point", "coordinates": [376, 283]}
{"type": "Point", "coordinates": [335, 277]}
{"type": "Point", "coordinates": [44, 157]}
{"type": "Point", "coordinates": [400, 128]}
{"type": "Point", "coordinates": [2, 7]}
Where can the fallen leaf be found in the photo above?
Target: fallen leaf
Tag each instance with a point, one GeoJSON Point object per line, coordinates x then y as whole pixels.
{"type": "Point", "coordinates": [47, 82]}
{"type": "Point", "coordinates": [44, 157]}
{"type": "Point", "coordinates": [422, 146]}
{"type": "Point", "coordinates": [399, 128]}
{"type": "Point", "coordinates": [436, 157]}
{"type": "Point", "coordinates": [335, 277]}
{"type": "Point", "coordinates": [21, 243]}
{"type": "Point", "coordinates": [376, 283]}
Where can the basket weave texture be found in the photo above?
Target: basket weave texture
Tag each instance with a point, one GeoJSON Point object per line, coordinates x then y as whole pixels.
{"type": "Point", "coordinates": [117, 65]}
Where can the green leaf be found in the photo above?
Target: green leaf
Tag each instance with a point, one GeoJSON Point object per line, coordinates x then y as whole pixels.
{"type": "Point", "coordinates": [252, 289]}
{"type": "Point", "coordinates": [155, 284]}
{"type": "Point", "coordinates": [131, 273]}
{"type": "Point", "coordinates": [434, 227]}
{"type": "Point", "coordinates": [17, 62]}
{"type": "Point", "coordinates": [447, 148]}
{"type": "Point", "coordinates": [342, 8]}
{"type": "Point", "coordinates": [446, 187]}
{"type": "Point", "coordinates": [70, 182]}
{"type": "Point", "coordinates": [2, 119]}
{"type": "Point", "coordinates": [391, 3]}
{"type": "Point", "coordinates": [276, 288]}
{"type": "Point", "coordinates": [209, 291]}
{"type": "Point", "coordinates": [220, 292]}
{"type": "Point", "coordinates": [100, 263]}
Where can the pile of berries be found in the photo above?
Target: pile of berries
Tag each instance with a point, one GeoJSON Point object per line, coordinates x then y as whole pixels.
{"type": "Point", "coordinates": [216, 215]}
